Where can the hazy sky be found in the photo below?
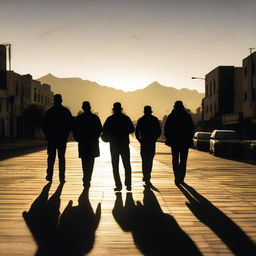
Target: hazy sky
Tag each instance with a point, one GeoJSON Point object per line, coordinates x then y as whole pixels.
{"type": "Point", "coordinates": [128, 44]}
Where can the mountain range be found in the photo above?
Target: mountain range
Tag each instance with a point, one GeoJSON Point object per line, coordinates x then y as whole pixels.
{"type": "Point", "coordinates": [161, 98]}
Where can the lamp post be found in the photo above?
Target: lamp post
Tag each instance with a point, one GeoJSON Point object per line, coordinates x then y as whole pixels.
{"type": "Point", "coordinates": [202, 104]}
{"type": "Point", "coordinates": [196, 77]}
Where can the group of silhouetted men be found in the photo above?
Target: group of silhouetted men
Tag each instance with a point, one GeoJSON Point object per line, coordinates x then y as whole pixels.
{"type": "Point", "coordinates": [58, 122]}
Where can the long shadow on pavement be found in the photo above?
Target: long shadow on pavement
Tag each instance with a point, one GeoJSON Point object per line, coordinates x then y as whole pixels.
{"type": "Point", "coordinates": [14, 152]}
{"type": "Point", "coordinates": [154, 232]}
{"type": "Point", "coordinates": [70, 234]}
{"type": "Point", "coordinates": [227, 230]}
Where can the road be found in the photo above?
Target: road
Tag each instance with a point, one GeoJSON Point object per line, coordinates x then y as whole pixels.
{"type": "Point", "coordinates": [214, 214]}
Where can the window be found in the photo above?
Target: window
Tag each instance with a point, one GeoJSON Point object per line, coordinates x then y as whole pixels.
{"type": "Point", "coordinates": [214, 86]}
{"type": "Point", "coordinates": [211, 108]}
{"type": "Point", "coordinates": [245, 96]}
{"type": "Point", "coordinates": [35, 95]}
{"type": "Point", "coordinates": [207, 109]}
{"type": "Point", "coordinates": [17, 89]}
{"type": "Point", "coordinates": [253, 94]}
{"type": "Point", "coordinates": [253, 67]}
{"type": "Point", "coordinates": [245, 71]}
{"type": "Point", "coordinates": [206, 90]}
{"type": "Point", "coordinates": [0, 106]}
{"type": "Point", "coordinates": [210, 88]}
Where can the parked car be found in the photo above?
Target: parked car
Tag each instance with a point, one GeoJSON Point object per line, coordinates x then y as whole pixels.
{"type": "Point", "coordinates": [252, 147]}
{"type": "Point", "coordinates": [201, 140]}
{"type": "Point", "coordinates": [225, 142]}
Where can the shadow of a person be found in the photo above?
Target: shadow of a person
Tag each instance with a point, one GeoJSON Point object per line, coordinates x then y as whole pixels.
{"type": "Point", "coordinates": [77, 227]}
{"type": "Point", "coordinates": [154, 232]}
{"type": "Point", "coordinates": [227, 230]}
{"type": "Point", "coordinates": [42, 220]}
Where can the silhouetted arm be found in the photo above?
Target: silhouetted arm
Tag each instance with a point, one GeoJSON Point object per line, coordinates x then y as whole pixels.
{"type": "Point", "coordinates": [98, 127]}
{"type": "Point", "coordinates": [138, 130]}
{"type": "Point", "coordinates": [158, 129]}
{"type": "Point", "coordinates": [130, 126]}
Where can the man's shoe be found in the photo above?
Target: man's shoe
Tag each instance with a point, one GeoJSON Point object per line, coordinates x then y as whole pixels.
{"type": "Point", "coordinates": [62, 180]}
{"type": "Point", "coordinates": [177, 182]}
{"type": "Point", "coordinates": [148, 183]}
{"type": "Point", "coordinates": [48, 178]}
{"type": "Point", "coordinates": [117, 188]}
{"type": "Point", "coordinates": [129, 188]}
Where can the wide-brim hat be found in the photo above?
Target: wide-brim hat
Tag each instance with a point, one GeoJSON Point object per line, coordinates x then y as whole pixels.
{"type": "Point", "coordinates": [148, 109]}
{"type": "Point", "coordinates": [117, 106]}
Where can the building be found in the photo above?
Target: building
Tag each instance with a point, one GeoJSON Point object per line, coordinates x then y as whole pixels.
{"type": "Point", "coordinates": [230, 100]}
{"type": "Point", "coordinates": [222, 90]}
{"type": "Point", "coordinates": [20, 97]}
{"type": "Point", "coordinates": [249, 96]}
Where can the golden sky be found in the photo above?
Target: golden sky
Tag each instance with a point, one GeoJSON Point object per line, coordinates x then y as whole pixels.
{"type": "Point", "coordinates": [128, 44]}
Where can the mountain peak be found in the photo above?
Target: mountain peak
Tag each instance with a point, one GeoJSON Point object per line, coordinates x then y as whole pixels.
{"type": "Point", "coordinates": [48, 76]}
{"type": "Point", "coordinates": [154, 84]}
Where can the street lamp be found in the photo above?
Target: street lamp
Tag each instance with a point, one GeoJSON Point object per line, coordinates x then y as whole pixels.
{"type": "Point", "coordinates": [196, 77]}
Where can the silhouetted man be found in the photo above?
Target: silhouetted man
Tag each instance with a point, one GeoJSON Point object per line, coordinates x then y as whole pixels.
{"type": "Point", "coordinates": [56, 124]}
{"type": "Point", "coordinates": [117, 129]}
{"type": "Point", "coordinates": [87, 129]}
{"type": "Point", "coordinates": [147, 131]}
{"type": "Point", "coordinates": [179, 131]}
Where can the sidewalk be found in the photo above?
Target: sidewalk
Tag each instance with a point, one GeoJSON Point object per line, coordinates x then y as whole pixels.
{"type": "Point", "coordinates": [20, 147]}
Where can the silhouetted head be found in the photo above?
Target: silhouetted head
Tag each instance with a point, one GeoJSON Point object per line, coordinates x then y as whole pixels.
{"type": "Point", "coordinates": [178, 105]}
{"type": "Point", "coordinates": [117, 107]}
{"type": "Point", "coordinates": [86, 106]}
{"type": "Point", "coordinates": [57, 99]}
{"type": "Point", "coordinates": [147, 110]}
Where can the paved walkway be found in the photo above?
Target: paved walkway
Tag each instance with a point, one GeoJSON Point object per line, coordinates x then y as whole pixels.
{"type": "Point", "coordinates": [215, 214]}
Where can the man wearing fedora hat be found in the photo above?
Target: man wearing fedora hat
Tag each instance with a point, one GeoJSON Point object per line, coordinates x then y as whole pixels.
{"type": "Point", "coordinates": [56, 125]}
{"type": "Point", "coordinates": [179, 131]}
{"type": "Point", "coordinates": [147, 132]}
{"type": "Point", "coordinates": [86, 130]}
{"type": "Point", "coordinates": [117, 128]}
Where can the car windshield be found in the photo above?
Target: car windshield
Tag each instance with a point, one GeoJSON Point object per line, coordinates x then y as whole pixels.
{"type": "Point", "coordinates": [226, 136]}
{"type": "Point", "coordinates": [204, 136]}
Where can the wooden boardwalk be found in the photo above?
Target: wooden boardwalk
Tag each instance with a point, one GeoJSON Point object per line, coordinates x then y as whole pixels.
{"type": "Point", "coordinates": [214, 215]}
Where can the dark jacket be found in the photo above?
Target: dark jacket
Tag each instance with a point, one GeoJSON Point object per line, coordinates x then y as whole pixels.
{"type": "Point", "coordinates": [117, 128]}
{"type": "Point", "coordinates": [86, 130]}
{"type": "Point", "coordinates": [179, 129]}
{"type": "Point", "coordinates": [57, 123]}
{"type": "Point", "coordinates": [148, 129]}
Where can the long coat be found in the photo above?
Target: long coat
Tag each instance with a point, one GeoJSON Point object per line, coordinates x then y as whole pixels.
{"type": "Point", "coordinates": [179, 129]}
{"type": "Point", "coordinates": [86, 130]}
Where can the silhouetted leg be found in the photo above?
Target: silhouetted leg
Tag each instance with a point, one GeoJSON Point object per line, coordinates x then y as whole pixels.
{"type": "Point", "coordinates": [183, 163]}
{"type": "Point", "coordinates": [125, 154]}
{"type": "Point", "coordinates": [147, 155]}
{"type": "Point", "coordinates": [51, 150]}
{"type": "Point", "coordinates": [87, 164]}
{"type": "Point", "coordinates": [62, 162]}
{"type": "Point", "coordinates": [175, 163]}
{"type": "Point", "coordinates": [115, 165]}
